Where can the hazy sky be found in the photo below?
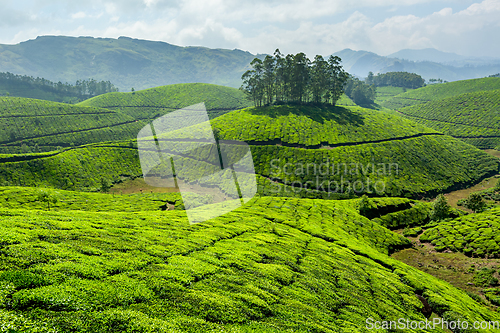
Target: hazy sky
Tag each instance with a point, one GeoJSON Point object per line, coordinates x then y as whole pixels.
{"type": "Point", "coordinates": [311, 26]}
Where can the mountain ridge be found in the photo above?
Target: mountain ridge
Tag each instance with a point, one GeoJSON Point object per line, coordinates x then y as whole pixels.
{"type": "Point", "coordinates": [359, 63]}
{"type": "Point", "coordinates": [127, 62]}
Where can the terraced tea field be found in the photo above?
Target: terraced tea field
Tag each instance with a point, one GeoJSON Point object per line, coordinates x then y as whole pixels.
{"type": "Point", "coordinates": [473, 117]}
{"type": "Point", "coordinates": [48, 125]}
{"type": "Point", "coordinates": [274, 265]}
{"type": "Point", "coordinates": [152, 103]}
{"type": "Point", "coordinates": [437, 92]}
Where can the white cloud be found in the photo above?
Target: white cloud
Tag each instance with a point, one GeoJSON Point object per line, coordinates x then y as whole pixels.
{"type": "Point", "coordinates": [79, 15]}
{"type": "Point", "coordinates": [311, 26]}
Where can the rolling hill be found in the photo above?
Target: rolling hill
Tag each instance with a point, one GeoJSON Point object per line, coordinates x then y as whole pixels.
{"type": "Point", "coordinates": [43, 125]}
{"type": "Point", "coordinates": [290, 145]}
{"type": "Point", "coordinates": [128, 63]}
{"type": "Point", "coordinates": [359, 145]}
{"type": "Point", "coordinates": [472, 117]}
{"type": "Point", "coordinates": [155, 102]}
{"type": "Point", "coordinates": [440, 91]}
{"type": "Point", "coordinates": [275, 265]}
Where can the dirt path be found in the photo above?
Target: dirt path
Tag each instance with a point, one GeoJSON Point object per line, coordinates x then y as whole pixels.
{"type": "Point", "coordinates": [454, 196]}
{"type": "Point", "coordinates": [488, 183]}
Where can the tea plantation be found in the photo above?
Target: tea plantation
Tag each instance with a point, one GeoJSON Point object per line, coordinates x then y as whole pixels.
{"type": "Point", "coordinates": [436, 92]}
{"type": "Point", "coordinates": [44, 125]}
{"type": "Point", "coordinates": [274, 265]}
{"type": "Point", "coordinates": [403, 167]}
{"type": "Point", "coordinates": [475, 235]}
{"type": "Point", "coordinates": [473, 117]}
{"type": "Point", "coordinates": [155, 102]}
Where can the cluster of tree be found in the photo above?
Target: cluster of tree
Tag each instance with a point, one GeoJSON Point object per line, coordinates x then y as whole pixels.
{"type": "Point", "coordinates": [82, 89]}
{"type": "Point", "coordinates": [396, 79]}
{"type": "Point", "coordinates": [434, 81]}
{"type": "Point", "coordinates": [360, 92]}
{"type": "Point", "coordinates": [294, 79]}
{"type": "Point", "coordinates": [495, 75]}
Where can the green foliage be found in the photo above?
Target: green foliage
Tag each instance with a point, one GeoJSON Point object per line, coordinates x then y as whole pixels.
{"type": "Point", "coordinates": [440, 209]}
{"type": "Point", "coordinates": [30, 122]}
{"type": "Point", "coordinates": [397, 79]}
{"type": "Point", "coordinates": [472, 117]}
{"type": "Point", "coordinates": [155, 102]}
{"type": "Point", "coordinates": [484, 277]}
{"type": "Point", "coordinates": [414, 216]}
{"type": "Point", "coordinates": [474, 235]}
{"type": "Point", "coordinates": [364, 205]}
{"type": "Point", "coordinates": [273, 265]}
{"type": "Point", "coordinates": [294, 79]}
{"type": "Point", "coordinates": [475, 202]}
{"type": "Point", "coordinates": [359, 92]}
{"type": "Point", "coordinates": [314, 126]}
{"type": "Point", "coordinates": [22, 197]}
{"type": "Point", "coordinates": [386, 93]}
{"type": "Point", "coordinates": [80, 168]}
{"type": "Point", "coordinates": [105, 185]}
{"type": "Point", "coordinates": [39, 88]}
{"type": "Point", "coordinates": [413, 232]}
{"type": "Point", "coordinates": [441, 91]}
{"type": "Point", "coordinates": [47, 197]}
{"type": "Point", "coordinates": [398, 166]}
{"type": "Point", "coordinates": [492, 295]}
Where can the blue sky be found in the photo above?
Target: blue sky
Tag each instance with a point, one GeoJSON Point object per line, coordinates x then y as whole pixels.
{"type": "Point", "coordinates": [311, 26]}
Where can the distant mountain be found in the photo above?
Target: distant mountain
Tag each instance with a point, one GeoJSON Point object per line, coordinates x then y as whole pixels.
{"type": "Point", "coordinates": [428, 55]}
{"type": "Point", "coordinates": [359, 63]}
{"type": "Point", "coordinates": [126, 62]}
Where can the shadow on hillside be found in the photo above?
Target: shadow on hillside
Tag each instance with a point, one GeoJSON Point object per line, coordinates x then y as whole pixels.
{"type": "Point", "coordinates": [318, 114]}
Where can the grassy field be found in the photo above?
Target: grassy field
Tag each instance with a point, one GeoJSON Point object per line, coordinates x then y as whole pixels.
{"type": "Point", "coordinates": [474, 117]}
{"type": "Point", "coordinates": [274, 265]}
{"type": "Point", "coordinates": [155, 102]}
{"type": "Point", "coordinates": [437, 92]}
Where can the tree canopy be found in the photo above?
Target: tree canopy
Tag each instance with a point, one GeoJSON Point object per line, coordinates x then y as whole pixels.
{"type": "Point", "coordinates": [82, 89]}
{"type": "Point", "coordinates": [396, 79]}
{"type": "Point", "coordinates": [294, 79]}
{"type": "Point", "coordinates": [360, 92]}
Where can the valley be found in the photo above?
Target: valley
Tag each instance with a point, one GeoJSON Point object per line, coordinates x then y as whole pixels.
{"type": "Point", "coordinates": [348, 221]}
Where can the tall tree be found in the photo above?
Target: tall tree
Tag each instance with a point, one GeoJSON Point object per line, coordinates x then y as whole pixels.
{"type": "Point", "coordinates": [337, 78]}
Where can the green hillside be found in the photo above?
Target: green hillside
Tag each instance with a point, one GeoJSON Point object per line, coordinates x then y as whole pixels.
{"type": "Point", "coordinates": [440, 91]}
{"type": "Point", "coordinates": [40, 88]}
{"type": "Point", "coordinates": [155, 102]}
{"type": "Point", "coordinates": [108, 117]}
{"type": "Point", "coordinates": [383, 155]}
{"type": "Point", "coordinates": [126, 62]}
{"type": "Point", "coordinates": [473, 117]}
{"type": "Point", "coordinates": [14, 197]}
{"type": "Point", "coordinates": [474, 235]}
{"type": "Point", "coordinates": [47, 125]}
{"type": "Point", "coordinates": [385, 94]}
{"type": "Point", "coordinates": [81, 168]}
{"type": "Point", "coordinates": [312, 126]}
{"type": "Point", "coordinates": [274, 265]}
{"type": "Point", "coordinates": [291, 144]}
